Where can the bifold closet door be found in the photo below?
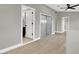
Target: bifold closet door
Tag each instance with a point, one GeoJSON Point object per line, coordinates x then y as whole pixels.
{"type": "Point", "coordinates": [49, 25]}
{"type": "Point", "coordinates": [43, 25]}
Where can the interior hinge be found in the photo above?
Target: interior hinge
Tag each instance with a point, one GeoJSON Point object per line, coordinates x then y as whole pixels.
{"type": "Point", "coordinates": [32, 12]}
{"type": "Point", "coordinates": [32, 33]}
{"type": "Point", "coordinates": [32, 22]}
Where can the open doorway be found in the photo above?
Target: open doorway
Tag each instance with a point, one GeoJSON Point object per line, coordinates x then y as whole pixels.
{"type": "Point", "coordinates": [27, 23]}
{"type": "Point", "coordinates": [65, 24]}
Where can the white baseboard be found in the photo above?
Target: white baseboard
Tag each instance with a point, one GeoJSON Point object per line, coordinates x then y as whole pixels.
{"type": "Point", "coordinates": [32, 41]}
{"type": "Point", "coordinates": [53, 33]}
{"type": "Point", "coordinates": [16, 46]}
{"type": "Point", "coordinates": [10, 48]}
{"type": "Point", "coordinates": [37, 38]}
{"type": "Point", "coordinates": [59, 32]}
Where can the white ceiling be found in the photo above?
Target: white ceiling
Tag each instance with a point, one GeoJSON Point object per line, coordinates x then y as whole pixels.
{"type": "Point", "coordinates": [62, 7]}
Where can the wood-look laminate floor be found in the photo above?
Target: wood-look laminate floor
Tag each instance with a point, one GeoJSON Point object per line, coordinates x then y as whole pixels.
{"type": "Point", "coordinates": [54, 44]}
{"type": "Point", "coordinates": [25, 40]}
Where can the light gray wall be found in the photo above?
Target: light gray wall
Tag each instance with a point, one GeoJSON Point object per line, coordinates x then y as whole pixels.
{"type": "Point", "coordinates": [10, 25]}
{"type": "Point", "coordinates": [74, 16]}
{"type": "Point", "coordinates": [72, 40]}
{"type": "Point", "coordinates": [58, 23]}
{"type": "Point", "coordinates": [40, 8]}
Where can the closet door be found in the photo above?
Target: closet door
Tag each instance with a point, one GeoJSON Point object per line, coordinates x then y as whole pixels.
{"type": "Point", "coordinates": [29, 27]}
{"type": "Point", "coordinates": [43, 25]}
{"type": "Point", "coordinates": [49, 25]}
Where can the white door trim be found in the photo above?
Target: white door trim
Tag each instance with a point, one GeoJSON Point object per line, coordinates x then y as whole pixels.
{"type": "Point", "coordinates": [22, 22]}
{"type": "Point", "coordinates": [53, 25]}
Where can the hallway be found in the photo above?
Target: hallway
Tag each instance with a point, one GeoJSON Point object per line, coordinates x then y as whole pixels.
{"type": "Point", "coordinates": [51, 44]}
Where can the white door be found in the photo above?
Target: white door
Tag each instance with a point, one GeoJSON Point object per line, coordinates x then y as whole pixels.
{"type": "Point", "coordinates": [65, 24]}
{"type": "Point", "coordinates": [43, 25]}
{"type": "Point", "coordinates": [49, 25]}
{"type": "Point", "coordinates": [29, 24]}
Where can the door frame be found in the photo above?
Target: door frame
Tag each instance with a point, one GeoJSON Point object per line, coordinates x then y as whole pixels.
{"type": "Point", "coordinates": [33, 20]}
{"type": "Point", "coordinates": [63, 27]}
{"type": "Point", "coordinates": [40, 22]}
